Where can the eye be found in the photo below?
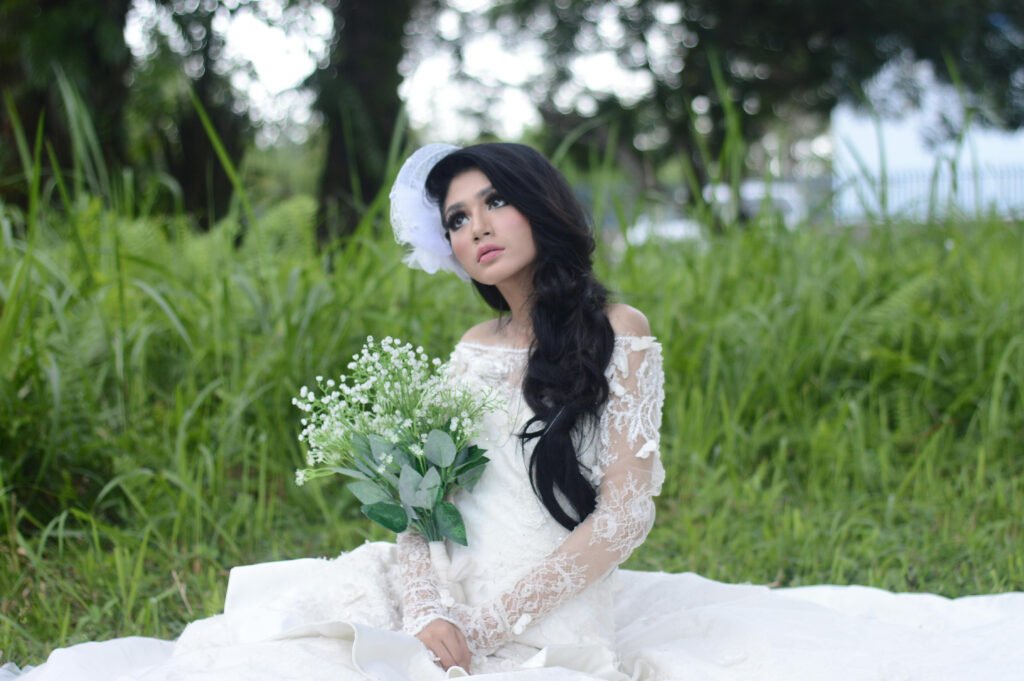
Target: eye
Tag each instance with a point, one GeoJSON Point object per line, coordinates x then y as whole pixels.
{"type": "Point", "coordinates": [495, 201]}
{"type": "Point", "coordinates": [455, 220]}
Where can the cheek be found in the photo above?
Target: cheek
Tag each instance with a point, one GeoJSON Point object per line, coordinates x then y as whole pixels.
{"type": "Point", "coordinates": [461, 247]}
{"type": "Point", "coordinates": [525, 237]}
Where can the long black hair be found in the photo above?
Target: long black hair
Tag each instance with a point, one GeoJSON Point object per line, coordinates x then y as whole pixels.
{"type": "Point", "coordinates": [564, 383]}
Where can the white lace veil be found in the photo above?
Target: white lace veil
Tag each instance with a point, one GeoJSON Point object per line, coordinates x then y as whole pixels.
{"type": "Point", "coordinates": [415, 220]}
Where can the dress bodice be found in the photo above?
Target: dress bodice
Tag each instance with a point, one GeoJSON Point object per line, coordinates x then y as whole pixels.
{"type": "Point", "coordinates": [633, 408]}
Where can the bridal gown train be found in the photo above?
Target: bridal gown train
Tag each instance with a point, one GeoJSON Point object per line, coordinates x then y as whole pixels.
{"type": "Point", "coordinates": [541, 603]}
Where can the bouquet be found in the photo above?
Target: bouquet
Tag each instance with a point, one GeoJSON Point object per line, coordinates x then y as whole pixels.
{"type": "Point", "coordinates": [401, 431]}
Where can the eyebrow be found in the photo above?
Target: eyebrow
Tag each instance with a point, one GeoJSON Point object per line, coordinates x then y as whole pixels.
{"type": "Point", "coordinates": [459, 204]}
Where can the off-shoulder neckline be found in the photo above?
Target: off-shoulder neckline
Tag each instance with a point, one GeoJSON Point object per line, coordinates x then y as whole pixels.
{"type": "Point", "coordinates": [518, 350]}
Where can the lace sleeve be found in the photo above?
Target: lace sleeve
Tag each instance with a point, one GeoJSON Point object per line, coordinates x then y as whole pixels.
{"type": "Point", "coordinates": [632, 476]}
{"type": "Point", "coordinates": [423, 600]}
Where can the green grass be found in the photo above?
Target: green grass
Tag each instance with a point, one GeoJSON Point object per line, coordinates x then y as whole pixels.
{"type": "Point", "coordinates": [842, 406]}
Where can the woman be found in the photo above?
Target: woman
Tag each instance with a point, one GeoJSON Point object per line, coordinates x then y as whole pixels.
{"type": "Point", "coordinates": [566, 497]}
{"type": "Point", "coordinates": [584, 389]}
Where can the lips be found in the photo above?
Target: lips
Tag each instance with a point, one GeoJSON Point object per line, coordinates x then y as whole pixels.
{"type": "Point", "coordinates": [483, 253]}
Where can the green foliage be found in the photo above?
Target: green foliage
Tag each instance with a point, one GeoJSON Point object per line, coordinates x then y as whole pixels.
{"type": "Point", "coordinates": [783, 63]}
{"type": "Point", "coordinates": [388, 515]}
{"type": "Point", "coordinates": [841, 406]}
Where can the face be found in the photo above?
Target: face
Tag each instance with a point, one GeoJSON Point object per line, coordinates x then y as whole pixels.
{"type": "Point", "coordinates": [491, 239]}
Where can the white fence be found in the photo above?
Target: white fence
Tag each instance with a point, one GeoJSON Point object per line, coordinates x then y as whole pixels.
{"type": "Point", "coordinates": [969, 192]}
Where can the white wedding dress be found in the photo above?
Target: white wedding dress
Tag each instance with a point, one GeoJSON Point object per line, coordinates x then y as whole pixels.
{"type": "Point", "coordinates": [541, 603]}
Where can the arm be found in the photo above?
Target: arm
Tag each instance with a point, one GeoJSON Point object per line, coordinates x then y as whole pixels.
{"type": "Point", "coordinates": [632, 475]}
{"type": "Point", "coordinates": [422, 598]}
{"type": "Point", "coordinates": [425, 605]}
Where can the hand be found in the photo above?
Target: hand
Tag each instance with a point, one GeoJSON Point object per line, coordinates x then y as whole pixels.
{"type": "Point", "coordinates": [447, 642]}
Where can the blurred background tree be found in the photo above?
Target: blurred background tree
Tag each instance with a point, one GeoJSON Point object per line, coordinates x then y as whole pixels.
{"type": "Point", "coordinates": [196, 52]}
{"type": "Point", "coordinates": [782, 64]}
{"type": "Point", "coordinates": [357, 96]}
{"type": "Point", "coordinates": [83, 38]}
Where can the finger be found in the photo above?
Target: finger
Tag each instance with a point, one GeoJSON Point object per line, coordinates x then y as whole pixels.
{"type": "Point", "coordinates": [462, 654]}
{"type": "Point", "coordinates": [434, 648]}
{"type": "Point", "coordinates": [448, 657]}
{"type": "Point", "coordinates": [442, 657]}
{"type": "Point", "coordinates": [434, 656]}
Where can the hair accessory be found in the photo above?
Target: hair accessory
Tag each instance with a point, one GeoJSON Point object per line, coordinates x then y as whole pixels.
{"type": "Point", "coordinates": [415, 220]}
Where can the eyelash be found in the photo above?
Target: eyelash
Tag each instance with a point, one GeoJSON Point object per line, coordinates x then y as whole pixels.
{"type": "Point", "coordinates": [450, 223]}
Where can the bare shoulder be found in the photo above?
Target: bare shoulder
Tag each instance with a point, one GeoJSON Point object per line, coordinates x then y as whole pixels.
{"type": "Point", "coordinates": [627, 320]}
{"type": "Point", "coordinates": [484, 332]}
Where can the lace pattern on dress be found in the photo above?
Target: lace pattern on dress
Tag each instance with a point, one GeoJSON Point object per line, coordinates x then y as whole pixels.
{"type": "Point", "coordinates": [624, 516]}
{"type": "Point", "coordinates": [497, 369]}
{"type": "Point", "coordinates": [628, 473]}
{"type": "Point", "coordinates": [547, 585]}
{"type": "Point", "coordinates": [634, 406]}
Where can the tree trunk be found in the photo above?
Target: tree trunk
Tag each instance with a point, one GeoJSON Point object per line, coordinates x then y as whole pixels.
{"type": "Point", "coordinates": [357, 94]}
{"type": "Point", "coordinates": [191, 157]}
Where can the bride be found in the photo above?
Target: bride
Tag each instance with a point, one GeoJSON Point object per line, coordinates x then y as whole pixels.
{"type": "Point", "coordinates": [567, 496]}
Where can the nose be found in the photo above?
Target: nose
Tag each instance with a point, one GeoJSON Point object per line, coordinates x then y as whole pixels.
{"type": "Point", "coordinates": [480, 224]}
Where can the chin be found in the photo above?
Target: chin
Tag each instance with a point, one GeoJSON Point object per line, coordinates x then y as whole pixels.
{"type": "Point", "coordinates": [494, 278]}
{"type": "Point", "coordinates": [487, 281]}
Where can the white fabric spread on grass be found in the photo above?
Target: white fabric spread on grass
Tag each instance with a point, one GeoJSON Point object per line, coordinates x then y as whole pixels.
{"type": "Point", "coordinates": [550, 604]}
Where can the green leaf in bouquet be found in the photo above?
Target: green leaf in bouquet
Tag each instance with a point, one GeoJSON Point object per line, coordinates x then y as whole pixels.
{"type": "Point", "coordinates": [468, 453]}
{"type": "Point", "coordinates": [419, 491]}
{"type": "Point", "coordinates": [408, 486]}
{"type": "Point", "coordinates": [430, 487]}
{"type": "Point", "coordinates": [367, 472]}
{"type": "Point", "coordinates": [402, 457]}
{"type": "Point", "coordinates": [390, 477]}
{"type": "Point", "coordinates": [360, 447]}
{"type": "Point", "coordinates": [387, 514]}
{"type": "Point", "coordinates": [469, 457]}
{"type": "Point", "coordinates": [368, 493]}
{"type": "Point", "coordinates": [379, 447]}
{"type": "Point", "coordinates": [439, 449]}
{"type": "Point", "coordinates": [449, 522]}
{"type": "Point", "coordinates": [468, 478]}
{"type": "Point", "coordinates": [341, 470]}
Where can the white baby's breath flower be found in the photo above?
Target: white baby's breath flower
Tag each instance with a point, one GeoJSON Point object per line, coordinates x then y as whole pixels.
{"type": "Point", "coordinates": [300, 477]}
{"type": "Point", "coordinates": [392, 390]}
